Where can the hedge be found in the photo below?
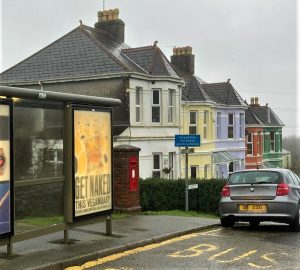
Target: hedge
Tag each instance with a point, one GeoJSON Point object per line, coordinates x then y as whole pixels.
{"type": "Point", "coordinates": [165, 194]}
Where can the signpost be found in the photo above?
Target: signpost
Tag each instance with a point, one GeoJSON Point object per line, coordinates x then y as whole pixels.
{"type": "Point", "coordinates": [184, 140]}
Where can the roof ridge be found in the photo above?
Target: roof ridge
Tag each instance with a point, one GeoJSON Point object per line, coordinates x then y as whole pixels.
{"type": "Point", "coordinates": [99, 44]}
{"type": "Point", "coordinates": [216, 83]}
{"type": "Point", "coordinates": [203, 92]}
{"type": "Point", "coordinates": [166, 59]}
{"type": "Point", "coordinates": [159, 52]}
{"type": "Point", "coordinates": [137, 48]}
{"type": "Point", "coordinates": [94, 29]}
{"type": "Point", "coordinates": [275, 115]}
{"type": "Point", "coordinates": [257, 118]}
{"type": "Point", "coordinates": [44, 48]}
{"type": "Point", "coordinates": [242, 102]}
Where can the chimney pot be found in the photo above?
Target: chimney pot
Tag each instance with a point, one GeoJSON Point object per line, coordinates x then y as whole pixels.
{"type": "Point", "coordinates": [104, 16]}
{"type": "Point", "coordinates": [110, 15]}
{"type": "Point", "coordinates": [256, 101]}
{"type": "Point", "coordinates": [252, 101]}
{"type": "Point", "coordinates": [116, 14]}
{"type": "Point", "coordinates": [174, 51]}
{"type": "Point", "coordinates": [189, 50]}
{"type": "Point", "coordinates": [100, 16]}
{"type": "Point", "coordinates": [183, 50]}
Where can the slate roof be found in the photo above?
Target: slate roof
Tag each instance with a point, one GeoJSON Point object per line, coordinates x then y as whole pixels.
{"type": "Point", "coordinates": [223, 93]}
{"type": "Point", "coordinates": [193, 91]}
{"type": "Point", "coordinates": [267, 116]}
{"type": "Point", "coordinates": [87, 52]}
{"type": "Point", "coordinates": [152, 60]}
{"type": "Point", "coordinates": [251, 118]}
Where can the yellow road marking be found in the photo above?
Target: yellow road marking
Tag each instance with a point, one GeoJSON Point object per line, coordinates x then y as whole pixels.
{"type": "Point", "coordinates": [267, 258]}
{"type": "Point", "coordinates": [220, 254]}
{"type": "Point", "coordinates": [244, 255]}
{"type": "Point", "coordinates": [212, 232]}
{"type": "Point", "coordinates": [193, 251]}
{"type": "Point", "coordinates": [132, 251]}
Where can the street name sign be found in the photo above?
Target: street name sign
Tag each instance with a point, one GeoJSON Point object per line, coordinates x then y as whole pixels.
{"type": "Point", "coordinates": [187, 140]}
{"type": "Point", "coordinates": [193, 186]}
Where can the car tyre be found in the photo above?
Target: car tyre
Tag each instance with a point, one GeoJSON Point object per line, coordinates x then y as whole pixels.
{"type": "Point", "coordinates": [254, 223]}
{"type": "Point", "coordinates": [295, 223]}
{"type": "Point", "coordinates": [227, 222]}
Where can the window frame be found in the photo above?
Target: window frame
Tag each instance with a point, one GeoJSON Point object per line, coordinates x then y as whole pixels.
{"type": "Point", "coordinates": [242, 117]}
{"type": "Point", "coordinates": [159, 169]}
{"type": "Point", "coordinates": [272, 141]}
{"type": "Point", "coordinates": [138, 106]}
{"type": "Point", "coordinates": [219, 125]}
{"type": "Point", "coordinates": [156, 105]}
{"type": "Point", "coordinates": [205, 124]}
{"type": "Point", "coordinates": [194, 125]}
{"type": "Point", "coordinates": [230, 126]}
{"type": "Point", "coordinates": [171, 102]}
{"type": "Point", "coordinates": [196, 171]}
{"type": "Point", "coordinates": [250, 142]}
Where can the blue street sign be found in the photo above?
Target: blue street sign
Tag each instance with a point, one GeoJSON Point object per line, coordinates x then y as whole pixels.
{"type": "Point", "coordinates": [187, 140]}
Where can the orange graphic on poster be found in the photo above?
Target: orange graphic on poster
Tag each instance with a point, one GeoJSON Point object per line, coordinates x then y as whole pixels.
{"type": "Point", "coordinates": [92, 136]}
{"type": "Point", "coordinates": [2, 161]}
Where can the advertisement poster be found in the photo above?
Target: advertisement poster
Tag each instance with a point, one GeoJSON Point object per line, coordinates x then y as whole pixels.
{"type": "Point", "coordinates": [5, 225]}
{"type": "Point", "coordinates": [92, 162]}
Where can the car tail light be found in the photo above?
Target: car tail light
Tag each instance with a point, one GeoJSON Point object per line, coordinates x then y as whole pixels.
{"type": "Point", "coordinates": [282, 189]}
{"type": "Point", "coordinates": [226, 191]}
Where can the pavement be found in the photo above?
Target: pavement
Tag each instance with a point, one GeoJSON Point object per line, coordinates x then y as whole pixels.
{"type": "Point", "coordinates": [89, 242]}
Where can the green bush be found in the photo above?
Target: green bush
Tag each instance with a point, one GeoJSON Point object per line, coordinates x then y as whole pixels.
{"type": "Point", "coordinates": [165, 194]}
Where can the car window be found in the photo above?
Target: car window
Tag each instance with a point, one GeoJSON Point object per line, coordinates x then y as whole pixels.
{"type": "Point", "coordinates": [290, 179]}
{"type": "Point", "coordinates": [255, 177]}
{"type": "Point", "coordinates": [296, 178]}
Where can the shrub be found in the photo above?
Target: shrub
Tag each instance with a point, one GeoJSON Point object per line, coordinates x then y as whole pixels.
{"type": "Point", "coordinates": [165, 194]}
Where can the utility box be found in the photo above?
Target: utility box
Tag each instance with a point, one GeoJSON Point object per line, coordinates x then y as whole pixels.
{"type": "Point", "coordinates": [126, 179]}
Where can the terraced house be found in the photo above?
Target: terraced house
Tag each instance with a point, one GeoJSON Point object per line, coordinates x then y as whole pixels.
{"type": "Point", "coordinates": [264, 137]}
{"type": "Point", "coordinates": [96, 61]}
{"type": "Point", "coordinates": [217, 113]}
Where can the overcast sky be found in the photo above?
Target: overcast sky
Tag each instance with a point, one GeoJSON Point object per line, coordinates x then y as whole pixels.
{"type": "Point", "coordinates": [253, 42]}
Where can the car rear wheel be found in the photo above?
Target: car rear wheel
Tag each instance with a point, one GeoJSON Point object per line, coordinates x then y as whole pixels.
{"type": "Point", "coordinates": [295, 224]}
{"type": "Point", "coordinates": [227, 222]}
{"type": "Point", "coordinates": [254, 223]}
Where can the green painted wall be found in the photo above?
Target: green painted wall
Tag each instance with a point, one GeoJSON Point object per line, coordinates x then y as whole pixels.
{"type": "Point", "coordinates": [273, 156]}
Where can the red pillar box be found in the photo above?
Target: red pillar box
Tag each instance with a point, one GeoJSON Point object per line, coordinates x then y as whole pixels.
{"type": "Point", "coordinates": [126, 178]}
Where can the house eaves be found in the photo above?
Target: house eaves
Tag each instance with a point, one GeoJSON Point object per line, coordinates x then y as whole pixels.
{"type": "Point", "coordinates": [198, 103]}
{"type": "Point", "coordinates": [224, 106]}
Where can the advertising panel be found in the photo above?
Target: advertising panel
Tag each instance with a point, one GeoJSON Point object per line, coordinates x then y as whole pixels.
{"type": "Point", "coordinates": [5, 171]}
{"type": "Point", "coordinates": [92, 162]}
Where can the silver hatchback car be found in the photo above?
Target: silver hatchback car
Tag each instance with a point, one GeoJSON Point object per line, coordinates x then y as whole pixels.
{"type": "Point", "coordinates": [261, 195]}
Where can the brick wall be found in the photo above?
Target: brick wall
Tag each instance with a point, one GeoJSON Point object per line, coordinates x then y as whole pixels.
{"type": "Point", "coordinates": [124, 199]}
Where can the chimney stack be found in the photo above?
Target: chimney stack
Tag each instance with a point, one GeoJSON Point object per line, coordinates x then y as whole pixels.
{"type": "Point", "coordinates": [183, 61]}
{"type": "Point", "coordinates": [108, 21]}
{"type": "Point", "coordinates": [254, 101]}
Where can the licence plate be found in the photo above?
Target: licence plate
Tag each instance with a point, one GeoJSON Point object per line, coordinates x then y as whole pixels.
{"type": "Point", "coordinates": [253, 208]}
